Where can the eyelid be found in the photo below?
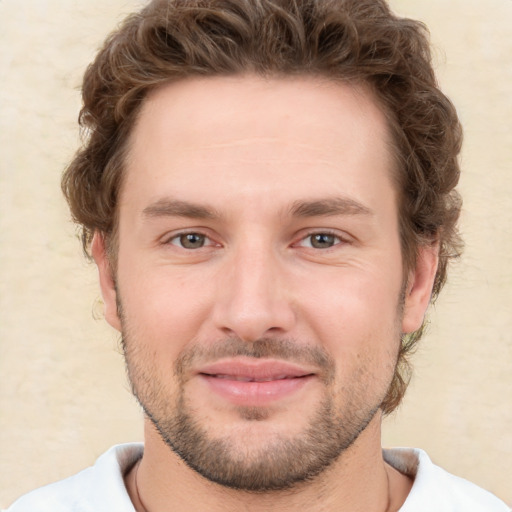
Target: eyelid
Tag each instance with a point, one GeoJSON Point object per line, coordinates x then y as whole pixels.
{"type": "Point", "coordinates": [210, 241]}
{"type": "Point", "coordinates": [342, 238]}
{"type": "Point", "coordinates": [169, 237]}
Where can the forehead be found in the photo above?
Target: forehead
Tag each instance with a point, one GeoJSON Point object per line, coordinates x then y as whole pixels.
{"type": "Point", "coordinates": [251, 135]}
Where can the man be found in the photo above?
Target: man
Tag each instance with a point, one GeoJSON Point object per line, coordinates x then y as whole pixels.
{"type": "Point", "coordinates": [267, 189]}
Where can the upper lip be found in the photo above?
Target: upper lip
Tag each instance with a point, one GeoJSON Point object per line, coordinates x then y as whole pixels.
{"type": "Point", "coordinates": [254, 369]}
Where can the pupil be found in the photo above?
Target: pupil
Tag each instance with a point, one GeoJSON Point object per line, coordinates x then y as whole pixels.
{"type": "Point", "coordinates": [323, 240]}
{"type": "Point", "coordinates": [192, 241]}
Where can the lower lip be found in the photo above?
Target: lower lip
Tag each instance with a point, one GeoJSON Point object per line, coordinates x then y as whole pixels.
{"type": "Point", "coordinates": [255, 393]}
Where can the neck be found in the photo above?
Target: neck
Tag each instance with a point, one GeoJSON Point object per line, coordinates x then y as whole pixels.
{"type": "Point", "coordinates": [358, 481]}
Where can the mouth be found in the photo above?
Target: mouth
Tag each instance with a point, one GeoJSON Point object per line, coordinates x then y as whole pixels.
{"type": "Point", "coordinates": [253, 379]}
{"type": "Point", "coordinates": [253, 383]}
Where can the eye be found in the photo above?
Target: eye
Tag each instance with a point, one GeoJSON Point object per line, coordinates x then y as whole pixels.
{"type": "Point", "coordinates": [320, 241]}
{"type": "Point", "coordinates": [189, 240]}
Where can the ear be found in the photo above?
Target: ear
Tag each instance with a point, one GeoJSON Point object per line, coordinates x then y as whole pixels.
{"type": "Point", "coordinates": [419, 287]}
{"type": "Point", "coordinates": [107, 283]}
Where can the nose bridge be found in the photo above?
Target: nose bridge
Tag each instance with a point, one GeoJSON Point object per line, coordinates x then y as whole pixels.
{"type": "Point", "coordinates": [254, 300]}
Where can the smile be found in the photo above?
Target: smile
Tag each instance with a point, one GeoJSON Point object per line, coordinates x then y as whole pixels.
{"type": "Point", "coordinates": [254, 379]}
{"type": "Point", "coordinates": [254, 383]}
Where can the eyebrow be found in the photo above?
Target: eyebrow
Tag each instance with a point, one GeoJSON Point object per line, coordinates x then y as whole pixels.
{"type": "Point", "coordinates": [167, 207]}
{"type": "Point", "coordinates": [175, 208]}
{"type": "Point", "coordinates": [329, 207]}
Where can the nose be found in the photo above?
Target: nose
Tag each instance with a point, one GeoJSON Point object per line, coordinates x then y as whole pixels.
{"type": "Point", "coordinates": [253, 300]}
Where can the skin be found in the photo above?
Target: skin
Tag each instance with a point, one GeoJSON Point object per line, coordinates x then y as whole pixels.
{"type": "Point", "coordinates": [251, 158]}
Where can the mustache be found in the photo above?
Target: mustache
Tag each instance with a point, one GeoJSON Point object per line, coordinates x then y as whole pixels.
{"type": "Point", "coordinates": [264, 348]}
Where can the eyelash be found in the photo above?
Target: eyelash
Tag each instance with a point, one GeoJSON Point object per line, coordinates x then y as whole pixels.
{"type": "Point", "coordinates": [179, 238]}
{"type": "Point", "coordinates": [337, 239]}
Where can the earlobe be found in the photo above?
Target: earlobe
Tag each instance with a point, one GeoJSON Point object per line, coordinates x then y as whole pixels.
{"type": "Point", "coordinates": [107, 283]}
{"type": "Point", "coordinates": [419, 288]}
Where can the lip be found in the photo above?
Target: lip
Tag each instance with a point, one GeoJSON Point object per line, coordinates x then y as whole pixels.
{"type": "Point", "coordinates": [254, 382]}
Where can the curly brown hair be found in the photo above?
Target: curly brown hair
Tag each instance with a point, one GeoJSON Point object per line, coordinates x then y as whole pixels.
{"type": "Point", "coordinates": [354, 41]}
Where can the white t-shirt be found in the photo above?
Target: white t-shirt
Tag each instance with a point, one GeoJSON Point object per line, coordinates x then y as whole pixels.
{"type": "Point", "coordinates": [100, 488]}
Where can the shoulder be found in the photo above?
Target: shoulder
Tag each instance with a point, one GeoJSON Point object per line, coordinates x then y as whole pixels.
{"type": "Point", "coordinates": [95, 489]}
{"type": "Point", "coordinates": [436, 489]}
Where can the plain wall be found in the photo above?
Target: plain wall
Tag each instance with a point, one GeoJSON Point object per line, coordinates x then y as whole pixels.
{"type": "Point", "coordinates": [64, 398]}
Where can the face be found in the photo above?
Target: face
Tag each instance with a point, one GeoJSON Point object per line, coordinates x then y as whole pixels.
{"type": "Point", "coordinates": [259, 286]}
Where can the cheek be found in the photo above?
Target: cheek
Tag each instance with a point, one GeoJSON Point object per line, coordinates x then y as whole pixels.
{"type": "Point", "coordinates": [163, 309]}
{"type": "Point", "coordinates": [346, 298]}
{"type": "Point", "coordinates": [357, 316]}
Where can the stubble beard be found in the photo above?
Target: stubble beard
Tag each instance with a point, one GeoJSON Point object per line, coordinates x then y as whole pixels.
{"type": "Point", "coordinates": [283, 462]}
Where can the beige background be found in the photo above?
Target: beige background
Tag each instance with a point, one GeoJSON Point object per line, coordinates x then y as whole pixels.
{"type": "Point", "coordinates": [63, 395]}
